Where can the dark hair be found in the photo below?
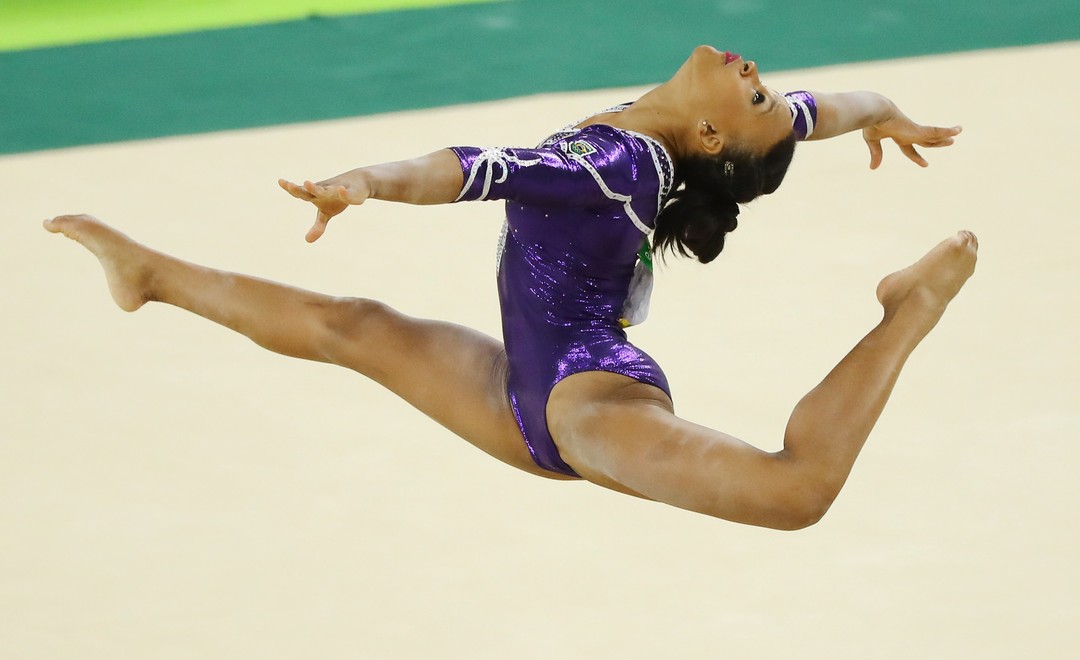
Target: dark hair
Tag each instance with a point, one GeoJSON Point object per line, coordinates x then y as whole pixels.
{"type": "Point", "coordinates": [708, 191]}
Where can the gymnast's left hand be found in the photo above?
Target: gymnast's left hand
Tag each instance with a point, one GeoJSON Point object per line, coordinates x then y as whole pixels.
{"type": "Point", "coordinates": [907, 135]}
{"type": "Point", "coordinates": [330, 198]}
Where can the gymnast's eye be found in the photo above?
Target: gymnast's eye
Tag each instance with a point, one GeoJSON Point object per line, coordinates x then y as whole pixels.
{"type": "Point", "coordinates": [758, 97]}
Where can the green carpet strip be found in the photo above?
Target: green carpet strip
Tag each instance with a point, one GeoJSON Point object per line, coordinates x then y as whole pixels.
{"type": "Point", "coordinates": [331, 67]}
{"type": "Point", "coordinates": [28, 24]}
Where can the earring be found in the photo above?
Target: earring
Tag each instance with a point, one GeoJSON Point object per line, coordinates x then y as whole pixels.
{"type": "Point", "coordinates": [729, 168]}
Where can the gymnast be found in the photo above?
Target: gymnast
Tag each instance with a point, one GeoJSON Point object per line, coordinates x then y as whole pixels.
{"type": "Point", "coordinates": [565, 395]}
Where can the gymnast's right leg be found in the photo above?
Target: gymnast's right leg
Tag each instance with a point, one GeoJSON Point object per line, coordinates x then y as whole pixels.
{"type": "Point", "coordinates": [454, 375]}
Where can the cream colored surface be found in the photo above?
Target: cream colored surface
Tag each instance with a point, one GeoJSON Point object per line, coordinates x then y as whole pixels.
{"type": "Point", "coordinates": [169, 490]}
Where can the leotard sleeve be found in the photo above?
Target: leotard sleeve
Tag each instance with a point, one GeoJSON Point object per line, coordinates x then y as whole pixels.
{"type": "Point", "coordinates": [803, 113]}
{"type": "Point", "coordinates": [593, 167]}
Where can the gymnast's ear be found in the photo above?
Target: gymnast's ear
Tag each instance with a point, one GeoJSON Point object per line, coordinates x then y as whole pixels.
{"type": "Point", "coordinates": [711, 140]}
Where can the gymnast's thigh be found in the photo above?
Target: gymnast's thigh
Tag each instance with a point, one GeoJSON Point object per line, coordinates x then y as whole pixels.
{"type": "Point", "coordinates": [624, 435]}
{"type": "Point", "coordinates": [451, 373]}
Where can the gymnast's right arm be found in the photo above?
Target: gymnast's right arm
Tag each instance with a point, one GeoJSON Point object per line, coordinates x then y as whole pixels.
{"type": "Point", "coordinates": [432, 179]}
{"type": "Point", "coordinates": [590, 172]}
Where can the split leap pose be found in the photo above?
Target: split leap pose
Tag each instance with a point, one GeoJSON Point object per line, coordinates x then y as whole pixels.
{"type": "Point", "coordinates": [565, 395]}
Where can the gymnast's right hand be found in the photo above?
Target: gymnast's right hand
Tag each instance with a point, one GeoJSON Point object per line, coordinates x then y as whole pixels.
{"type": "Point", "coordinates": [330, 198]}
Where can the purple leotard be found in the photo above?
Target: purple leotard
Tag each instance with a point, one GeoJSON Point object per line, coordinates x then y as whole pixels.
{"type": "Point", "coordinates": [579, 208]}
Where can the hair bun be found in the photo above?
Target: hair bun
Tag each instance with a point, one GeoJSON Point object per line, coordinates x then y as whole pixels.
{"type": "Point", "coordinates": [705, 204]}
{"type": "Point", "coordinates": [714, 215]}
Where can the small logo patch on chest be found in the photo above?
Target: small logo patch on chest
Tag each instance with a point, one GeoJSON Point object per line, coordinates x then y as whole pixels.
{"type": "Point", "coordinates": [580, 148]}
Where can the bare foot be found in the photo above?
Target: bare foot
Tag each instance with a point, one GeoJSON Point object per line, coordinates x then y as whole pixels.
{"type": "Point", "coordinates": [125, 262]}
{"type": "Point", "coordinates": [926, 287]}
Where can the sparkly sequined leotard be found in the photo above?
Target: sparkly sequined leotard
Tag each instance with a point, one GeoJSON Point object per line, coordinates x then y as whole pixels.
{"type": "Point", "coordinates": [579, 208]}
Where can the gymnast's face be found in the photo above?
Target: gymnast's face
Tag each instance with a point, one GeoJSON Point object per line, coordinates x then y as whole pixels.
{"type": "Point", "coordinates": [731, 104]}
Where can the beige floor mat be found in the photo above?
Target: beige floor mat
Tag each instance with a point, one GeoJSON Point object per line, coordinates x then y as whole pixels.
{"type": "Point", "coordinates": [168, 489]}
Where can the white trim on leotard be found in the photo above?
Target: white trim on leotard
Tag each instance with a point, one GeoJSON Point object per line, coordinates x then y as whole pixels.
{"type": "Point", "coordinates": [612, 195]}
{"type": "Point", "coordinates": [666, 178]}
{"type": "Point", "coordinates": [655, 149]}
{"type": "Point", "coordinates": [492, 156]}
{"type": "Point", "coordinates": [803, 110]}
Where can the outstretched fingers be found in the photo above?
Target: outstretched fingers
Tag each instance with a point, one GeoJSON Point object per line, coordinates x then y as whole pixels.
{"type": "Point", "coordinates": [875, 153]}
{"type": "Point", "coordinates": [319, 191]}
{"type": "Point", "coordinates": [317, 229]}
{"type": "Point", "coordinates": [911, 136]}
{"type": "Point", "coordinates": [913, 155]}
{"type": "Point", "coordinates": [295, 190]}
{"type": "Point", "coordinates": [936, 136]}
{"type": "Point", "coordinates": [328, 200]}
{"type": "Point", "coordinates": [939, 137]}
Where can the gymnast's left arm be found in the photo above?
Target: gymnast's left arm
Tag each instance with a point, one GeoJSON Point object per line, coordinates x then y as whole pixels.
{"type": "Point", "coordinates": [879, 119]}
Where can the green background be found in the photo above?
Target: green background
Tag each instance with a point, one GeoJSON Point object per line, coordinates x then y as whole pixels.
{"type": "Point", "coordinates": [36, 23]}
{"type": "Point", "coordinates": [288, 62]}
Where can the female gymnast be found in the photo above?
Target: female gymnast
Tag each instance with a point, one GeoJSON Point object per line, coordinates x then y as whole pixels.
{"type": "Point", "coordinates": [567, 396]}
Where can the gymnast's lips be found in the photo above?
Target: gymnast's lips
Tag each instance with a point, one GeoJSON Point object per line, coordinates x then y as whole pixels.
{"type": "Point", "coordinates": [730, 57]}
